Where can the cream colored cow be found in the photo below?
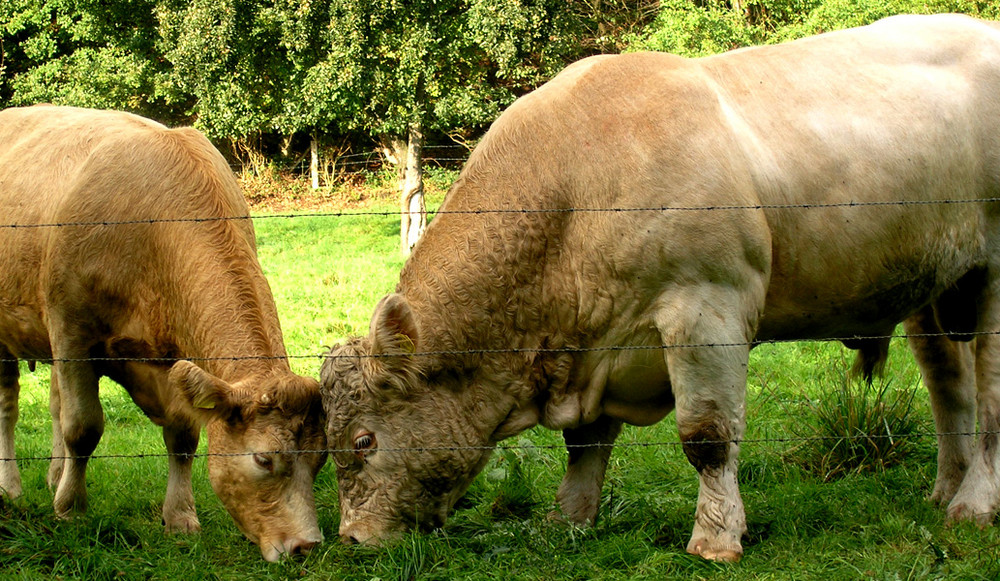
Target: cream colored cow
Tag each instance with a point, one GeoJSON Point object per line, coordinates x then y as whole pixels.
{"type": "Point", "coordinates": [147, 261]}
{"type": "Point", "coordinates": [830, 187]}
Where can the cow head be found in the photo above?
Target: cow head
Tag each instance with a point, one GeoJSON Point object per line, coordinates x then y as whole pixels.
{"type": "Point", "coordinates": [406, 445]}
{"type": "Point", "coordinates": [266, 445]}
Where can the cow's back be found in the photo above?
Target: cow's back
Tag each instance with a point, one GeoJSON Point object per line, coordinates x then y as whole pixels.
{"type": "Point", "coordinates": [881, 130]}
{"type": "Point", "coordinates": [79, 186]}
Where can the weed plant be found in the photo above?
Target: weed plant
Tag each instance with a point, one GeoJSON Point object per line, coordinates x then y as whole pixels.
{"type": "Point", "coordinates": [859, 427]}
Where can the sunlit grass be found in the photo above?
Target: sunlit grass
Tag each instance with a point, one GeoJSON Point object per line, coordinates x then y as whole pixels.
{"type": "Point", "coordinates": [327, 273]}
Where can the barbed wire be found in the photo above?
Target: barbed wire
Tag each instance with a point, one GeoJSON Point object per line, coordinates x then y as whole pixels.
{"type": "Point", "coordinates": [525, 447]}
{"type": "Point", "coordinates": [394, 213]}
{"type": "Point", "coordinates": [509, 350]}
{"type": "Point", "coordinates": [372, 160]}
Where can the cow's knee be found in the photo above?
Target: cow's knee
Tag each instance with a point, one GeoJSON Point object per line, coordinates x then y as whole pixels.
{"type": "Point", "coordinates": [82, 434]}
{"type": "Point", "coordinates": [706, 444]}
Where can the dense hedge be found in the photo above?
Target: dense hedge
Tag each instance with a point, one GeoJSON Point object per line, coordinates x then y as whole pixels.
{"type": "Point", "coordinates": [354, 72]}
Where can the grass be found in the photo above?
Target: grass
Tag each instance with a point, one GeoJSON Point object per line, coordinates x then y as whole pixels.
{"type": "Point", "coordinates": [327, 272]}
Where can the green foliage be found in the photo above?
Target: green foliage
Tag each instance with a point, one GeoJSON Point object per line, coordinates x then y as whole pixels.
{"type": "Point", "coordinates": [228, 60]}
{"type": "Point", "coordinates": [81, 52]}
{"type": "Point", "coordinates": [448, 65]}
{"type": "Point", "coordinates": [241, 68]}
{"type": "Point", "coordinates": [697, 29]}
{"type": "Point", "coordinates": [707, 27]}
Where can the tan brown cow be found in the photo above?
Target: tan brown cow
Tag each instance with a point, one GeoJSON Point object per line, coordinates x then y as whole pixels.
{"type": "Point", "coordinates": [826, 188]}
{"type": "Point", "coordinates": [123, 244]}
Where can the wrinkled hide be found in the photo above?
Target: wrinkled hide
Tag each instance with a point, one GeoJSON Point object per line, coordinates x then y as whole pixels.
{"type": "Point", "coordinates": [758, 199]}
{"type": "Point", "coordinates": [140, 273]}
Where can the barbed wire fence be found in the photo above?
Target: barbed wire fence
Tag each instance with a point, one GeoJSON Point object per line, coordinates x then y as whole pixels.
{"type": "Point", "coordinates": [343, 167]}
{"type": "Point", "coordinates": [365, 160]}
{"type": "Point", "coordinates": [531, 447]}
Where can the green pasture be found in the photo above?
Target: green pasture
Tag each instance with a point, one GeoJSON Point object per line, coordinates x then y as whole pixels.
{"type": "Point", "coordinates": [813, 512]}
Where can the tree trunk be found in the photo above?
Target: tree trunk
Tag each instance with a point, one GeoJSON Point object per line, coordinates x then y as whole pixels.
{"type": "Point", "coordinates": [740, 8]}
{"type": "Point", "coordinates": [414, 213]}
{"type": "Point", "coordinates": [314, 163]}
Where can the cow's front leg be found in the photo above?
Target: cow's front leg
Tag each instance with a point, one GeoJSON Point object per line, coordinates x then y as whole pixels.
{"type": "Point", "coordinates": [979, 494]}
{"type": "Point", "coordinates": [707, 353]}
{"type": "Point", "coordinates": [10, 477]}
{"type": "Point", "coordinates": [81, 419]}
{"type": "Point", "coordinates": [589, 448]}
{"type": "Point", "coordinates": [948, 371]}
{"type": "Point", "coordinates": [710, 430]}
{"type": "Point", "coordinates": [58, 445]}
{"type": "Point", "coordinates": [179, 514]}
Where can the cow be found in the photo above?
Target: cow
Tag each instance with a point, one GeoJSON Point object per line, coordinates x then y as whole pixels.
{"type": "Point", "coordinates": [623, 235]}
{"type": "Point", "coordinates": [126, 251]}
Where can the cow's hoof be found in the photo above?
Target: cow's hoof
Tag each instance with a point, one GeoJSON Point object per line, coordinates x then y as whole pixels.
{"type": "Point", "coordinates": [558, 516]}
{"type": "Point", "coordinates": [942, 494]}
{"type": "Point", "coordinates": [69, 506]}
{"type": "Point", "coordinates": [723, 556]}
{"type": "Point", "coordinates": [187, 525]}
{"type": "Point", "coordinates": [11, 489]}
{"type": "Point", "coordinates": [702, 549]}
{"type": "Point", "coordinates": [962, 512]}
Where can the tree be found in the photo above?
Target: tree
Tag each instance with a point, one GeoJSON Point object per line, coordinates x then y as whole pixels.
{"type": "Point", "coordinates": [710, 26]}
{"type": "Point", "coordinates": [228, 64]}
{"type": "Point", "coordinates": [398, 70]}
{"type": "Point", "coordinates": [91, 53]}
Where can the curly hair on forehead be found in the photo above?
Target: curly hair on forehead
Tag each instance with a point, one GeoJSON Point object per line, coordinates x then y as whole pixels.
{"type": "Point", "coordinates": [290, 395]}
{"type": "Point", "coordinates": [355, 371]}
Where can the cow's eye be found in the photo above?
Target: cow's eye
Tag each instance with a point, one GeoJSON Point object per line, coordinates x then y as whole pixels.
{"type": "Point", "coordinates": [264, 461]}
{"type": "Point", "coordinates": [364, 444]}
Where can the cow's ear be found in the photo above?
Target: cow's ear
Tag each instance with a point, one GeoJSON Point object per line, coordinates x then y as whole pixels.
{"type": "Point", "coordinates": [393, 329]}
{"type": "Point", "coordinates": [205, 393]}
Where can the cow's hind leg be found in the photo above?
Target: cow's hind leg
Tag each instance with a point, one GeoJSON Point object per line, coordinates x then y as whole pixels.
{"type": "Point", "coordinates": [10, 478]}
{"type": "Point", "coordinates": [179, 514]}
{"type": "Point", "coordinates": [979, 494]}
{"type": "Point", "coordinates": [589, 448]}
{"type": "Point", "coordinates": [81, 420]}
{"type": "Point", "coordinates": [948, 371]}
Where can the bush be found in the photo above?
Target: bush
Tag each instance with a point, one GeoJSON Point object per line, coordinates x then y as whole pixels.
{"type": "Point", "coordinates": [708, 27]}
{"type": "Point", "coordinates": [697, 29]}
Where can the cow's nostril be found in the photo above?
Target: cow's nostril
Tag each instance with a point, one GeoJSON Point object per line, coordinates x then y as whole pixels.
{"type": "Point", "coordinates": [349, 540]}
{"type": "Point", "coordinates": [301, 547]}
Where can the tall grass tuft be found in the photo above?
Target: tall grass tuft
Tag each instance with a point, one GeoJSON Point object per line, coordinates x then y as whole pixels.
{"type": "Point", "coordinates": [856, 427]}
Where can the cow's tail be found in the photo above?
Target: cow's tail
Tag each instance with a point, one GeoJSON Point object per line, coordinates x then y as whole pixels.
{"type": "Point", "coordinates": [872, 355]}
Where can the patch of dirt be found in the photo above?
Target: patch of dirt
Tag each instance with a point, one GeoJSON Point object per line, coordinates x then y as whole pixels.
{"type": "Point", "coordinates": [284, 194]}
{"type": "Point", "coordinates": [279, 194]}
{"type": "Point", "coordinates": [322, 200]}
{"type": "Point", "coordinates": [276, 193]}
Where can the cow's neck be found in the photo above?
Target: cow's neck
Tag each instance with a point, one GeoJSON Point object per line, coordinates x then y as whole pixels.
{"type": "Point", "coordinates": [227, 315]}
{"type": "Point", "coordinates": [475, 281]}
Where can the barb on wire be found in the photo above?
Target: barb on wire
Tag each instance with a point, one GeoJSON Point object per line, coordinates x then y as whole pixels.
{"type": "Point", "coordinates": [507, 350]}
{"type": "Point", "coordinates": [557, 447]}
{"type": "Point", "coordinates": [388, 213]}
